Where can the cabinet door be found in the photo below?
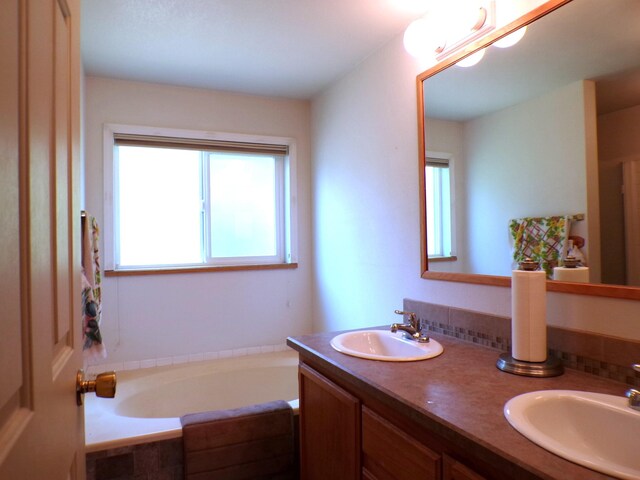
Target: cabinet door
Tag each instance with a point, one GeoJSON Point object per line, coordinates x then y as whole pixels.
{"type": "Point", "coordinates": [329, 429]}
{"type": "Point", "coordinates": [454, 470]}
{"type": "Point", "coordinates": [388, 453]}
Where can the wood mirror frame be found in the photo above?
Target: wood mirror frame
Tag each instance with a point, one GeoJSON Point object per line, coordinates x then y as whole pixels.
{"type": "Point", "coordinates": [613, 291]}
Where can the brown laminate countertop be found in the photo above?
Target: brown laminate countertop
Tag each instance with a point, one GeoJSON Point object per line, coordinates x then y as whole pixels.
{"type": "Point", "coordinates": [460, 395]}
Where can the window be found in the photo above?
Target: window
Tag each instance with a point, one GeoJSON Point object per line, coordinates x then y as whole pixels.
{"type": "Point", "coordinates": [440, 225]}
{"type": "Point", "coordinates": [187, 199]}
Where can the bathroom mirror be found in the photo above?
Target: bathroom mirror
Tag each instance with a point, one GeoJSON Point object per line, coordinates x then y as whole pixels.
{"type": "Point", "coordinates": [532, 131]}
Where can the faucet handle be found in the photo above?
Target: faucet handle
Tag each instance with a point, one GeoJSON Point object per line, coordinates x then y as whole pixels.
{"type": "Point", "coordinates": [412, 317]}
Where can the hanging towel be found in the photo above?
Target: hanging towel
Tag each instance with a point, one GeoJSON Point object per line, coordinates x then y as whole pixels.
{"type": "Point", "coordinates": [543, 239]}
{"type": "Point", "coordinates": [248, 442]}
{"type": "Point", "coordinates": [93, 347]}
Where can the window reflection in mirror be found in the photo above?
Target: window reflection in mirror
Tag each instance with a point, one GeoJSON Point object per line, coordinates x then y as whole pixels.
{"type": "Point", "coordinates": [440, 226]}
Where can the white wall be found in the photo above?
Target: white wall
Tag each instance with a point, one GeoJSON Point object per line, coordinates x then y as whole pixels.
{"type": "Point", "coordinates": [366, 218]}
{"type": "Point", "coordinates": [524, 161]}
{"type": "Point", "coordinates": [157, 316]}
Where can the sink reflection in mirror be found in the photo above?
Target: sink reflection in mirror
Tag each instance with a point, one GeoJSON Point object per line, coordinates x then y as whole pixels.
{"type": "Point", "coordinates": [385, 346]}
{"type": "Point", "coordinates": [595, 430]}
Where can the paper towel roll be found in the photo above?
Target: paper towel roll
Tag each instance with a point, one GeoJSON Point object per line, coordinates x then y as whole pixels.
{"type": "Point", "coordinates": [529, 316]}
{"type": "Point", "coordinates": [577, 274]}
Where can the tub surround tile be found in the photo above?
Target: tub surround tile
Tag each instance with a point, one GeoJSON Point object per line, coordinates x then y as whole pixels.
{"type": "Point", "coordinates": [149, 461]}
{"type": "Point", "coordinates": [180, 359]}
{"type": "Point", "coordinates": [146, 458]}
{"type": "Point", "coordinates": [115, 467]}
{"type": "Point", "coordinates": [248, 442]}
{"type": "Point", "coordinates": [164, 361]}
{"type": "Point", "coordinates": [132, 365]}
{"type": "Point", "coordinates": [196, 357]}
{"type": "Point", "coordinates": [253, 350]}
{"type": "Point", "coordinates": [105, 367]}
{"type": "Point", "coordinates": [148, 363]}
{"type": "Point", "coordinates": [600, 355]}
{"type": "Point", "coordinates": [240, 352]}
{"type": "Point", "coordinates": [211, 355]}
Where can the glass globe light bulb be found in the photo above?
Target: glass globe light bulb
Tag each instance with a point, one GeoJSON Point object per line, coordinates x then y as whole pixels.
{"type": "Point", "coordinates": [472, 59]}
{"type": "Point", "coordinates": [421, 39]}
{"type": "Point", "coordinates": [511, 39]}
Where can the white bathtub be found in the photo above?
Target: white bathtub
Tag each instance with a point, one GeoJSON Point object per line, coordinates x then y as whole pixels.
{"type": "Point", "coordinates": [149, 402]}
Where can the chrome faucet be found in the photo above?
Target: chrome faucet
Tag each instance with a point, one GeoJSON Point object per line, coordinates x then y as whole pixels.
{"type": "Point", "coordinates": [412, 330]}
{"type": "Point", "coordinates": [633, 394]}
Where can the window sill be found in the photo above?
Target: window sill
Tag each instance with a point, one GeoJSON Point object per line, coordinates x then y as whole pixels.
{"type": "Point", "coordinates": [198, 269]}
{"type": "Point", "coordinates": [451, 258]}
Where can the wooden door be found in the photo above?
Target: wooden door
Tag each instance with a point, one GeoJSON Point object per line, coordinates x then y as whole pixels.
{"type": "Point", "coordinates": [41, 427]}
{"type": "Point", "coordinates": [329, 429]}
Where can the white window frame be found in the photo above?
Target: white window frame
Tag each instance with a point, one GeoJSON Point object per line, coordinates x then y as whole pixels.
{"type": "Point", "coordinates": [448, 159]}
{"type": "Point", "coordinates": [289, 227]}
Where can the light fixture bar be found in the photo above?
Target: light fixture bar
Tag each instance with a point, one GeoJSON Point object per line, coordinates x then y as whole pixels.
{"type": "Point", "coordinates": [486, 22]}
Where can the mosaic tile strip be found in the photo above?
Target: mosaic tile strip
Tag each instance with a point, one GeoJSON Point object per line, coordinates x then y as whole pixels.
{"type": "Point", "coordinates": [585, 352]}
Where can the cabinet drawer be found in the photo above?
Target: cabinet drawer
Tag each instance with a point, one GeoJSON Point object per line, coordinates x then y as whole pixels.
{"type": "Point", "coordinates": [388, 453]}
{"type": "Point", "coordinates": [454, 470]}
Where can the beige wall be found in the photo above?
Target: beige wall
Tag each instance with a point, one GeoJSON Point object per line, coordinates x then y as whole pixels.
{"type": "Point", "coordinates": [161, 316]}
{"type": "Point", "coordinates": [524, 161]}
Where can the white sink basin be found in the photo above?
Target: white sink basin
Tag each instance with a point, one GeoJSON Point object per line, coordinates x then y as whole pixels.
{"type": "Point", "coordinates": [384, 345]}
{"type": "Point", "coordinates": [597, 431]}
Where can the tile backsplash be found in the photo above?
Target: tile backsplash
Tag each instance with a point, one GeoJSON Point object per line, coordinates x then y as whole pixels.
{"type": "Point", "coordinates": [600, 355]}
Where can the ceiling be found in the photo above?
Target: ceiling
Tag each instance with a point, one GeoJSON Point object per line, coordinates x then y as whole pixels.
{"type": "Point", "coordinates": [283, 48]}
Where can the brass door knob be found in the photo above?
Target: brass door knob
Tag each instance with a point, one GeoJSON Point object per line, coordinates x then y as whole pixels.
{"type": "Point", "coordinates": [104, 385]}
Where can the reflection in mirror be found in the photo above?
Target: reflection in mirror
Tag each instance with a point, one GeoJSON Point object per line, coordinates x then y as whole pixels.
{"type": "Point", "coordinates": [548, 127]}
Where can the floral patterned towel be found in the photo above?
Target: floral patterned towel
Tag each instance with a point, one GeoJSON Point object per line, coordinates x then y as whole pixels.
{"type": "Point", "coordinates": [91, 292]}
{"type": "Point", "coordinates": [543, 239]}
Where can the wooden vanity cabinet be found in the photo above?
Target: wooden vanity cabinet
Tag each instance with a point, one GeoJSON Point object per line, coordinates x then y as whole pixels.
{"type": "Point", "coordinates": [388, 453]}
{"type": "Point", "coordinates": [454, 470]}
{"type": "Point", "coordinates": [329, 429]}
{"type": "Point", "coordinates": [342, 438]}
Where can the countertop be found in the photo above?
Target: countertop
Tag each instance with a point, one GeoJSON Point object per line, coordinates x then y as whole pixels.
{"type": "Point", "coordinates": [460, 396]}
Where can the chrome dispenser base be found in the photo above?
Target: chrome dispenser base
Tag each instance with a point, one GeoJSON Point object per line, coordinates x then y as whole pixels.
{"type": "Point", "coordinates": [552, 367]}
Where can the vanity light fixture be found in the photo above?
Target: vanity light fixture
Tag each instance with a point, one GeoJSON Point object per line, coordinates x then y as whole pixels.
{"type": "Point", "coordinates": [449, 28]}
